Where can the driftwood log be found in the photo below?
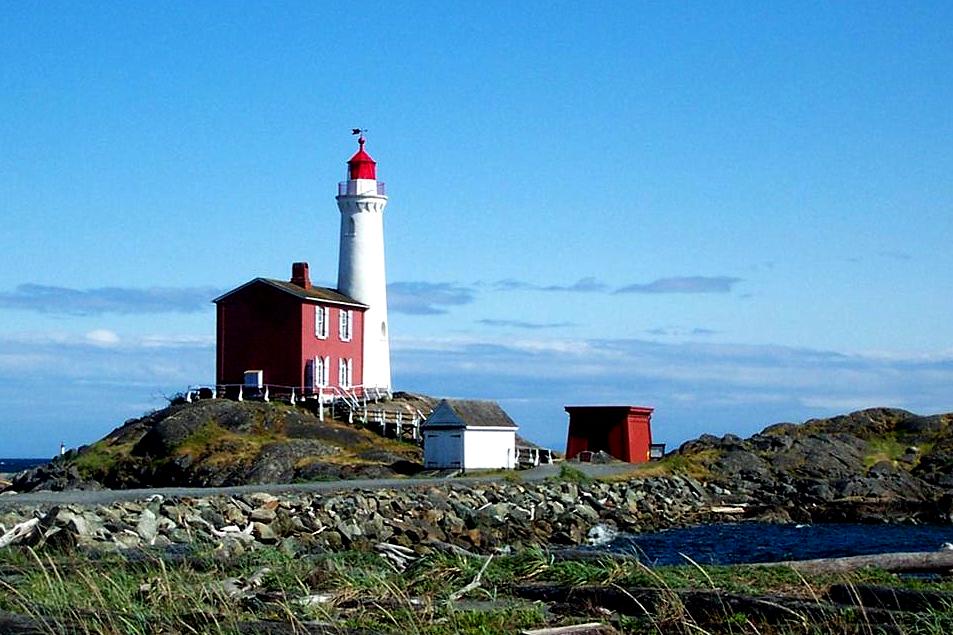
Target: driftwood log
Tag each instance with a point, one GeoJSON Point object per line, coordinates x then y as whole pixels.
{"type": "Point", "coordinates": [590, 628]}
{"type": "Point", "coordinates": [912, 561]}
{"type": "Point", "coordinates": [15, 624]}
{"type": "Point", "coordinates": [890, 598]}
{"type": "Point", "coordinates": [704, 606]}
{"type": "Point", "coordinates": [20, 533]}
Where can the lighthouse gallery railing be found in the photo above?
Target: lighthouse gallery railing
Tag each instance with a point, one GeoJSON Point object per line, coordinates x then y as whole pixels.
{"type": "Point", "coordinates": [349, 188]}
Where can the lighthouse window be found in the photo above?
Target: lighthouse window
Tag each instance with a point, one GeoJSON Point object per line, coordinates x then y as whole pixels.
{"type": "Point", "coordinates": [383, 329]}
{"type": "Point", "coordinates": [350, 227]}
{"type": "Point", "coordinates": [321, 322]}
{"type": "Point", "coordinates": [344, 328]}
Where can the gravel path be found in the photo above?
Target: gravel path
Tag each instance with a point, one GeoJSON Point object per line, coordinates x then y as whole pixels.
{"type": "Point", "coordinates": [105, 497]}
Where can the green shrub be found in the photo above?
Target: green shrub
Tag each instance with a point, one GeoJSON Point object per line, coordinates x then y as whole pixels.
{"type": "Point", "coordinates": [572, 474]}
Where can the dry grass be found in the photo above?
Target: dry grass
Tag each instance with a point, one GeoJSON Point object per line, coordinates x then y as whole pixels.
{"type": "Point", "coordinates": [693, 465]}
{"type": "Point", "coordinates": [439, 594]}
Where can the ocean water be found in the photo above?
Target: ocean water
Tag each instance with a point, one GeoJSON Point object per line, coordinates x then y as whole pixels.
{"type": "Point", "coordinates": [763, 542]}
{"type": "Point", "coordinates": [9, 466]}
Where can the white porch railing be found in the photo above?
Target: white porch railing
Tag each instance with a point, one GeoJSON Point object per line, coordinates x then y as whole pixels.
{"type": "Point", "coordinates": [527, 456]}
{"type": "Point", "coordinates": [356, 403]}
{"type": "Point", "coordinates": [355, 398]}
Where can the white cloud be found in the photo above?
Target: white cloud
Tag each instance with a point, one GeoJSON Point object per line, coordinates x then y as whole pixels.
{"type": "Point", "coordinates": [427, 298]}
{"type": "Point", "coordinates": [122, 300]}
{"type": "Point", "coordinates": [850, 402]}
{"type": "Point", "coordinates": [176, 341]}
{"type": "Point", "coordinates": [102, 337]}
{"type": "Point", "coordinates": [696, 387]}
{"type": "Point", "coordinates": [684, 284]}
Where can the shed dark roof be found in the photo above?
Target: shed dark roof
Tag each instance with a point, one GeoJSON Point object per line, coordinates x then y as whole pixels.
{"type": "Point", "coordinates": [313, 294]}
{"type": "Point", "coordinates": [468, 413]}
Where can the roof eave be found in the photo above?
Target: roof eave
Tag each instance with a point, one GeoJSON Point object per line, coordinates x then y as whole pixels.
{"type": "Point", "coordinates": [300, 296]}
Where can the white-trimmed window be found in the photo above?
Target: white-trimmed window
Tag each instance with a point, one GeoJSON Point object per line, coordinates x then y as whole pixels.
{"type": "Point", "coordinates": [321, 366]}
{"type": "Point", "coordinates": [344, 327]}
{"type": "Point", "coordinates": [321, 322]}
{"type": "Point", "coordinates": [344, 373]}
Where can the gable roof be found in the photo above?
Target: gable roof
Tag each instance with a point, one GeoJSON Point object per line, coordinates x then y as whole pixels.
{"type": "Point", "coordinates": [314, 294]}
{"type": "Point", "coordinates": [468, 413]}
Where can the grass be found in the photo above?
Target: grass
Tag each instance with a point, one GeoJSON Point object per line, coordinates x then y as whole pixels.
{"type": "Point", "coordinates": [884, 449]}
{"type": "Point", "coordinates": [693, 465]}
{"type": "Point", "coordinates": [101, 456]}
{"type": "Point", "coordinates": [109, 593]}
{"type": "Point", "coordinates": [890, 448]}
{"type": "Point", "coordinates": [571, 474]}
{"type": "Point", "coordinates": [215, 445]}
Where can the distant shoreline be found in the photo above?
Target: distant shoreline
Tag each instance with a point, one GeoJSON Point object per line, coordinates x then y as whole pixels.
{"type": "Point", "coordinates": [9, 467]}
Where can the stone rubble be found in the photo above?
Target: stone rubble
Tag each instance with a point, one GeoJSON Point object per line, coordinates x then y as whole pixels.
{"type": "Point", "coordinates": [482, 518]}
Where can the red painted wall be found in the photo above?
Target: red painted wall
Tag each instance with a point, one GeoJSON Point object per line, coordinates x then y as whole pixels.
{"type": "Point", "coordinates": [333, 347]}
{"type": "Point", "coordinates": [263, 328]}
{"type": "Point", "coordinates": [639, 432]}
{"type": "Point", "coordinates": [625, 432]}
{"type": "Point", "coordinates": [259, 327]}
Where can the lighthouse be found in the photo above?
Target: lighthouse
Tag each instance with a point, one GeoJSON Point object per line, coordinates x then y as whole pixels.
{"type": "Point", "coordinates": [361, 200]}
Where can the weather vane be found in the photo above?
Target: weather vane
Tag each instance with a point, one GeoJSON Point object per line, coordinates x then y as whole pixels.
{"type": "Point", "coordinates": [359, 131]}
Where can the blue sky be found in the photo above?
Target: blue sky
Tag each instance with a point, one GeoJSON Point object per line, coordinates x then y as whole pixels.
{"type": "Point", "coordinates": [737, 213]}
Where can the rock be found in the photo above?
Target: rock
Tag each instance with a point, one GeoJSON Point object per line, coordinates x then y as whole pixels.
{"type": "Point", "coordinates": [214, 442]}
{"type": "Point", "coordinates": [882, 468]}
{"type": "Point", "coordinates": [264, 533]}
{"type": "Point", "coordinates": [147, 526]}
{"type": "Point", "coordinates": [601, 534]}
{"type": "Point", "coordinates": [161, 542]}
{"type": "Point", "coordinates": [256, 499]}
{"type": "Point", "coordinates": [784, 473]}
{"type": "Point", "coordinates": [127, 539]}
{"type": "Point", "coordinates": [263, 515]}
{"type": "Point", "coordinates": [349, 531]}
{"type": "Point", "coordinates": [333, 540]}
{"type": "Point", "coordinates": [180, 536]}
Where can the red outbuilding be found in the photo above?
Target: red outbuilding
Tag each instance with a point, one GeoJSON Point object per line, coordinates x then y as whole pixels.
{"type": "Point", "coordinates": [625, 432]}
{"type": "Point", "coordinates": [289, 335]}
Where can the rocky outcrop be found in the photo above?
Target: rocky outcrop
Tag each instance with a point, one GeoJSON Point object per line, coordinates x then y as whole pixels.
{"type": "Point", "coordinates": [483, 517]}
{"type": "Point", "coordinates": [872, 464]}
{"type": "Point", "coordinates": [219, 442]}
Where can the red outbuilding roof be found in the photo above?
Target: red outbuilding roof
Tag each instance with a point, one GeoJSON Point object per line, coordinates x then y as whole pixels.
{"type": "Point", "coordinates": [361, 165]}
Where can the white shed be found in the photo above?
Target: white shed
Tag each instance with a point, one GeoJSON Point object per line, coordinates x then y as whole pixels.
{"type": "Point", "coordinates": [468, 434]}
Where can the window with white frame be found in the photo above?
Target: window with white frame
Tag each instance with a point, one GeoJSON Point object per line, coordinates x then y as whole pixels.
{"type": "Point", "coordinates": [321, 322]}
{"type": "Point", "coordinates": [344, 328]}
{"type": "Point", "coordinates": [321, 365]}
{"type": "Point", "coordinates": [344, 373]}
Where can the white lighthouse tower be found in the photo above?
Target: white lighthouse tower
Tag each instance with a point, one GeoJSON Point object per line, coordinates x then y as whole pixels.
{"type": "Point", "coordinates": [361, 276]}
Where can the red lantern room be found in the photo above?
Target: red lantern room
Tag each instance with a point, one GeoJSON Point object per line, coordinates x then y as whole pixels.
{"type": "Point", "coordinates": [361, 165]}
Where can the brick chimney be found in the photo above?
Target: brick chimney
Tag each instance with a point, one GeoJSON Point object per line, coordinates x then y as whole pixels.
{"type": "Point", "coordinates": [300, 275]}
